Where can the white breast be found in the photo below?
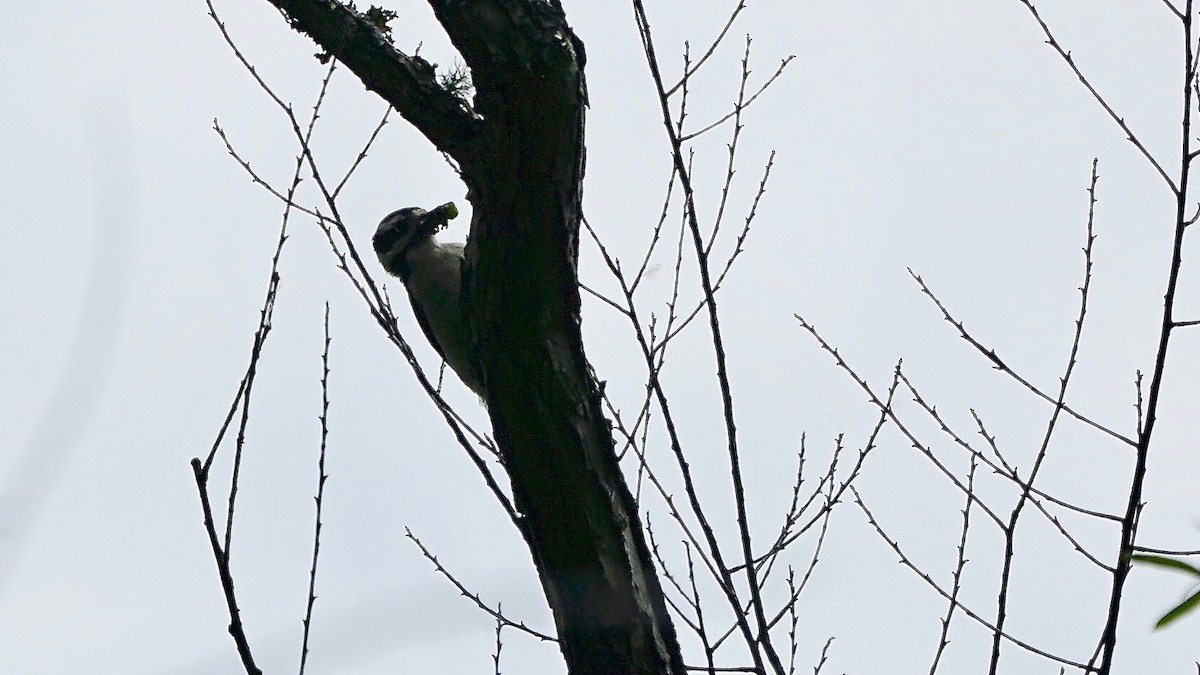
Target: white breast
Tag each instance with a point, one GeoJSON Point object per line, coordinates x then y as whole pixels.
{"type": "Point", "coordinates": [434, 285]}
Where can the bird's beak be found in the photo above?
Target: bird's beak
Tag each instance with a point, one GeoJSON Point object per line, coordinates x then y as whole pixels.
{"type": "Point", "coordinates": [439, 217]}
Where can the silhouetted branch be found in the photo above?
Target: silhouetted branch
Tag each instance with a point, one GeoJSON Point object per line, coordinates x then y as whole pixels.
{"type": "Point", "coordinates": [495, 613]}
{"type": "Point", "coordinates": [362, 153]}
{"type": "Point", "coordinates": [1133, 509]}
{"type": "Point", "coordinates": [990, 354]}
{"type": "Point", "coordinates": [409, 83]}
{"type": "Point", "coordinates": [824, 657]}
{"type": "Point", "coordinates": [959, 563]}
{"type": "Point", "coordinates": [1010, 531]}
{"type": "Point", "coordinates": [200, 470]}
{"type": "Point", "coordinates": [236, 629]}
{"type": "Point", "coordinates": [879, 404]}
{"type": "Point", "coordinates": [907, 562]}
{"type": "Point", "coordinates": [1008, 471]}
{"type": "Point", "coordinates": [702, 630]}
{"type": "Point", "coordinates": [1178, 14]}
{"type": "Point", "coordinates": [763, 637]}
{"type": "Point", "coordinates": [712, 47]}
{"type": "Point", "coordinates": [221, 552]}
{"type": "Point", "coordinates": [319, 499]}
{"type": "Point", "coordinates": [742, 105]}
{"type": "Point", "coordinates": [499, 644]}
{"type": "Point", "coordinates": [1165, 551]}
{"type": "Point", "coordinates": [1120, 121]}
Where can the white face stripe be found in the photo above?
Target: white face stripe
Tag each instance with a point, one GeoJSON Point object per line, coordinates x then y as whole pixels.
{"type": "Point", "coordinates": [408, 213]}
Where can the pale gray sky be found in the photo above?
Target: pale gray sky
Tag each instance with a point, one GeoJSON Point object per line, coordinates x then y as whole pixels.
{"type": "Point", "coordinates": [938, 135]}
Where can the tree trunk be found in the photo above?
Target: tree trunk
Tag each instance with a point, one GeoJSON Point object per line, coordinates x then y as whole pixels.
{"type": "Point", "coordinates": [520, 148]}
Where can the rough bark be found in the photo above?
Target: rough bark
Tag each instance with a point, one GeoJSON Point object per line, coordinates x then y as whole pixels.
{"type": "Point", "coordinates": [520, 148]}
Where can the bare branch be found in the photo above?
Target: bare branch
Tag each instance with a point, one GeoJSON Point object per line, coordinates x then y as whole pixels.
{"type": "Point", "coordinates": [763, 637]}
{"type": "Point", "coordinates": [1165, 551]}
{"type": "Point", "coordinates": [907, 562]}
{"type": "Point", "coordinates": [1066, 56]}
{"type": "Point", "coordinates": [824, 657]}
{"type": "Point", "coordinates": [1174, 10]}
{"type": "Point", "coordinates": [959, 563]}
{"type": "Point", "coordinates": [495, 613]}
{"type": "Point", "coordinates": [1010, 531]}
{"type": "Point", "coordinates": [666, 571]}
{"type": "Point", "coordinates": [741, 106]}
{"type": "Point", "coordinates": [903, 428]}
{"type": "Point", "coordinates": [499, 644]}
{"type": "Point", "coordinates": [321, 478]}
{"type": "Point", "coordinates": [689, 72]}
{"type": "Point", "coordinates": [258, 180]}
{"type": "Point", "coordinates": [362, 153]}
{"type": "Point", "coordinates": [1133, 509]}
{"type": "Point", "coordinates": [1138, 405]}
{"type": "Point", "coordinates": [1001, 468]}
{"type": "Point", "coordinates": [236, 629]}
{"type": "Point", "coordinates": [990, 354]}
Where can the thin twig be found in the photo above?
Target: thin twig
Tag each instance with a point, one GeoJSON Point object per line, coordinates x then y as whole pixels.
{"type": "Point", "coordinates": [320, 497]}
{"type": "Point", "coordinates": [666, 571]}
{"type": "Point", "coordinates": [495, 613]}
{"type": "Point", "coordinates": [499, 644]}
{"type": "Point", "coordinates": [1120, 121]}
{"type": "Point", "coordinates": [999, 466]}
{"type": "Point", "coordinates": [362, 153]}
{"type": "Point", "coordinates": [835, 496]}
{"type": "Point", "coordinates": [824, 657]}
{"type": "Point", "coordinates": [741, 106]}
{"type": "Point", "coordinates": [797, 589]}
{"type": "Point", "coordinates": [712, 47]}
{"type": "Point", "coordinates": [675, 328]}
{"type": "Point", "coordinates": [656, 233]}
{"type": "Point", "coordinates": [900, 425]}
{"type": "Point", "coordinates": [1178, 14]}
{"type": "Point", "coordinates": [1138, 405]}
{"type": "Point", "coordinates": [907, 562]}
{"type": "Point", "coordinates": [1008, 472]}
{"type": "Point", "coordinates": [763, 638]}
{"type": "Point", "coordinates": [998, 364]}
{"type": "Point", "coordinates": [959, 564]}
{"type": "Point", "coordinates": [1165, 551]}
{"type": "Point", "coordinates": [1010, 530]}
{"type": "Point", "coordinates": [696, 603]}
{"type": "Point", "coordinates": [731, 149]}
{"type": "Point", "coordinates": [259, 180]}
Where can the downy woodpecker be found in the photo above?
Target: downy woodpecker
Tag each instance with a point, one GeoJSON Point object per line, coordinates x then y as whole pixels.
{"type": "Point", "coordinates": [432, 274]}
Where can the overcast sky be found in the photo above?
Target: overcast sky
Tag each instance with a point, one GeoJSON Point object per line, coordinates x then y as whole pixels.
{"type": "Point", "coordinates": [933, 134]}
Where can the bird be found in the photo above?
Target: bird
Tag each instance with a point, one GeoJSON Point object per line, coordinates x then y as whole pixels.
{"type": "Point", "coordinates": [432, 274]}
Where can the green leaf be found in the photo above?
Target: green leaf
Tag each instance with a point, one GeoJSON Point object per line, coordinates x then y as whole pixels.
{"type": "Point", "coordinates": [1185, 607]}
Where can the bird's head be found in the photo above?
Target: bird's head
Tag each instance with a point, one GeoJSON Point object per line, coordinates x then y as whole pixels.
{"type": "Point", "coordinates": [401, 230]}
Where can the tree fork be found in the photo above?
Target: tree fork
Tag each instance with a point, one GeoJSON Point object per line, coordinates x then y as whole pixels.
{"type": "Point", "coordinates": [520, 150]}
